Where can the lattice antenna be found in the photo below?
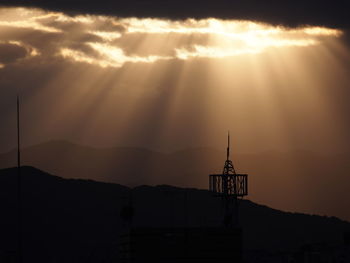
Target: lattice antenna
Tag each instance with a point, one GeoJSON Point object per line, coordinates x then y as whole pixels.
{"type": "Point", "coordinates": [231, 187]}
{"type": "Point", "coordinates": [228, 167]}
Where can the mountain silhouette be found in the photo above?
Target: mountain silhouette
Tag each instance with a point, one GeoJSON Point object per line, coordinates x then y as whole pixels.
{"type": "Point", "coordinates": [74, 220]}
{"type": "Point", "coordinates": [295, 181]}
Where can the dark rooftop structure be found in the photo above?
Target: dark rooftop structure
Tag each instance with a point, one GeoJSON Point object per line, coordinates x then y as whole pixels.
{"type": "Point", "coordinates": [205, 245]}
{"type": "Point", "coordinates": [221, 244]}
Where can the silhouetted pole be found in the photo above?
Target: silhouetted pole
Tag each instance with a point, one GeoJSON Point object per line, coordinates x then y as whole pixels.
{"type": "Point", "coordinates": [228, 146]}
{"type": "Point", "coordinates": [19, 188]}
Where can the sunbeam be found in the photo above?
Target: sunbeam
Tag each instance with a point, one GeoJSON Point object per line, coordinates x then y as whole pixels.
{"type": "Point", "coordinates": [172, 84]}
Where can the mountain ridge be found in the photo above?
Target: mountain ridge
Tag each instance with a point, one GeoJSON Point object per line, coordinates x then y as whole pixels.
{"type": "Point", "coordinates": [297, 181]}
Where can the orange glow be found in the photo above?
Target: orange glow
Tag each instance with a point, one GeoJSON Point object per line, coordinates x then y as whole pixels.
{"type": "Point", "coordinates": [167, 85]}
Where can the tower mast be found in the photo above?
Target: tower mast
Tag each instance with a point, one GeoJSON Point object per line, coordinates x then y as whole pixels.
{"type": "Point", "coordinates": [228, 145]}
{"type": "Point", "coordinates": [230, 186]}
{"type": "Point", "coordinates": [19, 187]}
{"type": "Point", "coordinates": [228, 167]}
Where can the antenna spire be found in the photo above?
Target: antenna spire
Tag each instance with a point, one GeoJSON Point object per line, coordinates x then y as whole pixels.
{"type": "Point", "coordinates": [228, 167]}
{"type": "Point", "coordinates": [18, 137]}
{"type": "Point", "coordinates": [228, 145]}
{"type": "Point", "coordinates": [19, 188]}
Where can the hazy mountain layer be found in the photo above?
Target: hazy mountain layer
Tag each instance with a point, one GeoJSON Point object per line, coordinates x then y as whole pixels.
{"type": "Point", "coordinates": [297, 181]}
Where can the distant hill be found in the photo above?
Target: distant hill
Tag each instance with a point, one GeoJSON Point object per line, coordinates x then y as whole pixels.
{"type": "Point", "coordinates": [69, 220]}
{"type": "Point", "coordinates": [296, 181]}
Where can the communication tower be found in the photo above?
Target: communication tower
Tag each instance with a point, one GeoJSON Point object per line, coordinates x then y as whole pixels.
{"type": "Point", "coordinates": [231, 187]}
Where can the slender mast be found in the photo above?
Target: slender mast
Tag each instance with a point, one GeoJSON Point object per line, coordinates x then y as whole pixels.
{"type": "Point", "coordinates": [18, 137]}
{"type": "Point", "coordinates": [19, 187]}
{"type": "Point", "coordinates": [228, 167]}
{"type": "Point", "coordinates": [228, 145]}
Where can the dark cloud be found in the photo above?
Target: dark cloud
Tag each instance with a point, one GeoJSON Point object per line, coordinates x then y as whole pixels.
{"type": "Point", "coordinates": [290, 13]}
{"type": "Point", "coordinates": [11, 52]}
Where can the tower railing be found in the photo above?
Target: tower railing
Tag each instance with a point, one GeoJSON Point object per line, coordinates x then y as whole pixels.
{"type": "Point", "coordinates": [235, 185]}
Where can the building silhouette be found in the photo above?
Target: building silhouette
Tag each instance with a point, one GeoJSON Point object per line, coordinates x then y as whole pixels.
{"type": "Point", "coordinates": [220, 244]}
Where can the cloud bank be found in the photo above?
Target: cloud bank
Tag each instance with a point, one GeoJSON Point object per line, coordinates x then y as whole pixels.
{"type": "Point", "coordinates": [288, 13]}
{"type": "Point", "coordinates": [110, 41]}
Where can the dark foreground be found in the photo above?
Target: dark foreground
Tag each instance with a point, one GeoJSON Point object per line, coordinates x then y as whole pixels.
{"type": "Point", "coordinates": [79, 221]}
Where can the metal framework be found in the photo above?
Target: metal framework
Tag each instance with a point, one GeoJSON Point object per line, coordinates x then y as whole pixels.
{"type": "Point", "coordinates": [230, 186]}
{"type": "Point", "coordinates": [235, 185]}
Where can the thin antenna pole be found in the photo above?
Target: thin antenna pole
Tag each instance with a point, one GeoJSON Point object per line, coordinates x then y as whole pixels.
{"type": "Point", "coordinates": [228, 145]}
{"type": "Point", "coordinates": [19, 187]}
{"type": "Point", "coordinates": [18, 137]}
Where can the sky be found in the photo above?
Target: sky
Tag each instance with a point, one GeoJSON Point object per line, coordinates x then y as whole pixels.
{"type": "Point", "coordinates": [173, 74]}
